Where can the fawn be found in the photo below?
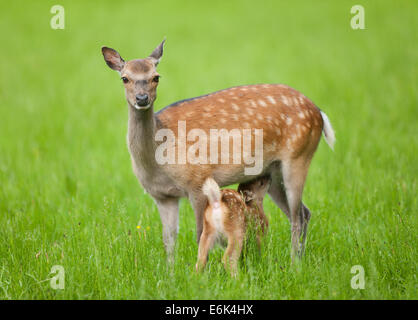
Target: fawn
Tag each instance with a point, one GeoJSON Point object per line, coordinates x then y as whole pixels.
{"type": "Point", "coordinates": [290, 126]}
{"type": "Point", "coordinates": [228, 214]}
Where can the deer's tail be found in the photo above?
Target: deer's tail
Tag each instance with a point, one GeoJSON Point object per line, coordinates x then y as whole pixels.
{"type": "Point", "coordinates": [211, 190]}
{"type": "Point", "coordinates": [329, 134]}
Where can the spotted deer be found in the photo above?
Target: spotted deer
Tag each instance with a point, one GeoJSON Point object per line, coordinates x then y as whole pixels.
{"type": "Point", "coordinates": [228, 214]}
{"type": "Point", "coordinates": [291, 127]}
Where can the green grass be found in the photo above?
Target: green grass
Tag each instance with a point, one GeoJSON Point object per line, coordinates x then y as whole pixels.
{"type": "Point", "coordinates": [67, 192]}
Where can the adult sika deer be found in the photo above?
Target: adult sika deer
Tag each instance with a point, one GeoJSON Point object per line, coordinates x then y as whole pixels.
{"type": "Point", "coordinates": [286, 127]}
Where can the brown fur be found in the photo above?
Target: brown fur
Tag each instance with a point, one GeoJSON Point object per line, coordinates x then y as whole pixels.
{"type": "Point", "coordinates": [236, 210]}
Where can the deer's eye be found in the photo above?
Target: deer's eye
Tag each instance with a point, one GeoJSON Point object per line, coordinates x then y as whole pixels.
{"type": "Point", "coordinates": [125, 79]}
{"type": "Point", "coordinates": [156, 79]}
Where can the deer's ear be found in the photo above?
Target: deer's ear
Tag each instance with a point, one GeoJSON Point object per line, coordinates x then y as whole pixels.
{"type": "Point", "coordinates": [113, 58]}
{"type": "Point", "coordinates": [156, 55]}
{"type": "Point", "coordinates": [248, 195]}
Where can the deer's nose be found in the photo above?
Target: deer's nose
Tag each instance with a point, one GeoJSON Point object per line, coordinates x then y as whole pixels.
{"type": "Point", "coordinates": [142, 99]}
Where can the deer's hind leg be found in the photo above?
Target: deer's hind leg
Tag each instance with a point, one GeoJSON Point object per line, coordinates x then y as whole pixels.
{"type": "Point", "coordinates": [206, 242]}
{"type": "Point", "coordinates": [294, 176]}
{"type": "Point", "coordinates": [199, 203]}
{"type": "Point", "coordinates": [278, 193]}
{"type": "Point", "coordinates": [233, 251]}
{"type": "Point", "coordinates": [305, 217]}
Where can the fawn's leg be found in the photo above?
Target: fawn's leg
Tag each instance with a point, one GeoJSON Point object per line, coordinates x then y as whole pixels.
{"type": "Point", "coordinates": [205, 244]}
{"type": "Point", "coordinates": [199, 202]}
{"type": "Point", "coordinates": [233, 252]}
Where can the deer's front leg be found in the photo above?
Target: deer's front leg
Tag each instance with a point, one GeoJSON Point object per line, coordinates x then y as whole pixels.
{"type": "Point", "coordinates": [199, 203]}
{"type": "Point", "coordinates": [169, 214]}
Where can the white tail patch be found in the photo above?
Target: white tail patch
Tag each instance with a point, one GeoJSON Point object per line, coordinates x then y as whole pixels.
{"type": "Point", "coordinates": [211, 190]}
{"type": "Point", "coordinates": [328, 131]}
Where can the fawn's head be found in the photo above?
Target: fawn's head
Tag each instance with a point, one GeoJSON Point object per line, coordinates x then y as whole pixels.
{"type": "Point", "coordinates": [255, 190]}
{"type": "Point", "coordinates": [139, 76]}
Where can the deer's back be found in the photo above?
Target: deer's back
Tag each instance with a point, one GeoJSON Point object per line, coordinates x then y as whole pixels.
{"type": "Point", "coordinates": [291, 123]}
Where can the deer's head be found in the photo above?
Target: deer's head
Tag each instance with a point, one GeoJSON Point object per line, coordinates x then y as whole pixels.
{"type": "Point", "coordinates": [255, 190]}
{"type": "Point", "coordinates": [139, 76]}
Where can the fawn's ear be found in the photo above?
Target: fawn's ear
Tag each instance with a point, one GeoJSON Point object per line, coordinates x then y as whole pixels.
{"type": "Point", "coordinates": [156, 55]}
{"type": "Point", "coordinates": [248, 195]}
{"type": "Point", "coordinates": [113, 59]}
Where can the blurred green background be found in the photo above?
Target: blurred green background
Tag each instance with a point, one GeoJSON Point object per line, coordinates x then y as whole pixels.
{"type": "Point", "coordinates": [67, 192]}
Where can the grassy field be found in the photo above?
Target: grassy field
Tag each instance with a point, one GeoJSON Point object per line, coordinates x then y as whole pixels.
{"type": "Point", "coordinates": [67, 192]}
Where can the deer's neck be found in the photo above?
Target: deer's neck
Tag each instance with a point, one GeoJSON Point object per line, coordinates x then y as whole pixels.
{"type": "Point", "coordinates": [141, 131]}
{"type": "Point", "coordinates": [256, 204]}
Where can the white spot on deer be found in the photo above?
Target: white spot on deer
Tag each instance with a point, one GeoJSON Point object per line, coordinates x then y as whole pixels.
{"type": "Point", "coordinates": [301, 100]}
{"type": "Point", "coordinates": [269, 119]}
{"type": "Point", "coordinates": [223, 120]}
{"type": "Point", "coordinates": [276, 121]}
{"type": "Point", "coordinates": [259, 116]}
{"type": "Point", "coordinates": [221, 100]}
{"type": "Point", "coordinates": [301, 115]}
{"type": "Point", "coordinates": [304, 128]}
{"type": "Point", "coordinates": [235, 107]}
{"type": "Point", "coordinates": [285, 100]}
{"type": "Point", "coordinates": [244, 89]}
{"type": "Point", "coordinates": [189, 114]}
{"type": "Point", "coordinates": [262, 103]}
{"type": "Point", "coordinates": [246, 125]}
{"type": "Point", "coordinates": [255, 122]}
{"type": "Point", "coordinates": [250, 111]}
{"type": "Point", "coordinates": [296, 101]}
{"type": "Point", "coordinates": [289, 121]}
{"type": "Point", "coordinates": [235, 98]}
{"type": "Point", "coordinates": [252, 103]}
{"type": "Point", "coordinates": [222, 111]}
{"type": "Point", "coordinates": [271, 99]}
{"type": "Point", "coordinates": [207, 115]}
{"type": "Point", "coordinates": [278, 132]}
{"type": "Point", "coordinates": [234, 117]}
{"type": "Point", "coordinates": [282, 116]}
